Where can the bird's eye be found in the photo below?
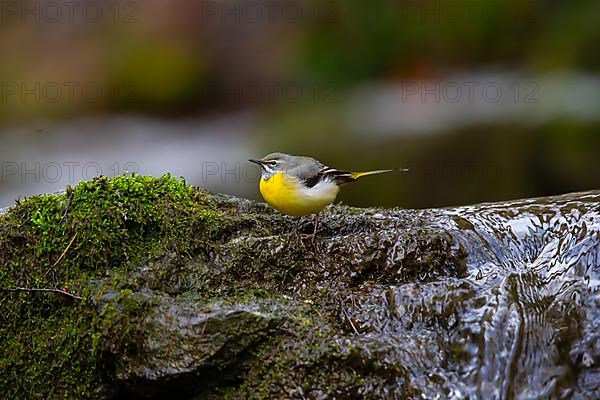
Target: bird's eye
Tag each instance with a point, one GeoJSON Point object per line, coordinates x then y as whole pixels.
{"type": "Point", "coordinates": [272, 163]}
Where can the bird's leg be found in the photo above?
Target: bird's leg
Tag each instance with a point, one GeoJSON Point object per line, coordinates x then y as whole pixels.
{"type": "Point", "coordinates": [295, 231]}
{"type": "Point", "coordinates": [316, 222]}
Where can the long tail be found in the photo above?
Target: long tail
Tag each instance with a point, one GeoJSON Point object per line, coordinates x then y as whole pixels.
{"type": "Point", "coordinates": [343, 177]}
{"type": "Point", "coordinates": [357, 175]}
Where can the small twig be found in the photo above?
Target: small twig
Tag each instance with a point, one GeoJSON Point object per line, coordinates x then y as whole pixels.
{"type": "Point", "coordinates": [62, 255]}
{"type": "Point", "coordinates": [347, 316]}
{"type": "Point", "coordinates": [67, 207]}
{"type": "Point", "coordinates": [204, 327]}
{"type": "Point", "coordinates": [351, 323]}
{"type": "Point", "coordinates": [55, 290]}
{"type": "Point", "coordinates": [289, 332]}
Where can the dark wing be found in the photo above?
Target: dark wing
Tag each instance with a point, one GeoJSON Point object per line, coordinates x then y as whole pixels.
{"type": "Point", "coordinates": [335, 175]}
{"type": "Point", "coordinates": [310, 172]}
{"type": "Point", "coordinates": [343, 177]}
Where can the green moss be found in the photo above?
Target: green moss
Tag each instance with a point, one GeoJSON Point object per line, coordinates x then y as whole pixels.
{"type": "Point", "coordinates": [52, 347]}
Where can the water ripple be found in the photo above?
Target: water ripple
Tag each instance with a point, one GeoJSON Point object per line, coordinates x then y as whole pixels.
{"type": "Point", "coordinates": [524, 323]}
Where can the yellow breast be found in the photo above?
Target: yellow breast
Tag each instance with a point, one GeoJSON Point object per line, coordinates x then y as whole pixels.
{"type": "Point", "coordinates": [289, 196]}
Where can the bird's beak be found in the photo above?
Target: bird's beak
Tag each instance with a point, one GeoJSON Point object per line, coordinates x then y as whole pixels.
{"type": "Point", "coordinates": [255, 161]}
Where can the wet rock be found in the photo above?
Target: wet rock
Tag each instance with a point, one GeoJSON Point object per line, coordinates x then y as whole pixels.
{"type": "Point", "coordinates": [164, 346]}
{"type": "Point", "coordinates": [486, 301]}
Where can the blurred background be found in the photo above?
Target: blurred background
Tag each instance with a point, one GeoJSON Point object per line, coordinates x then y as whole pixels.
{"type": "Point", "coordinates": [483, 100]}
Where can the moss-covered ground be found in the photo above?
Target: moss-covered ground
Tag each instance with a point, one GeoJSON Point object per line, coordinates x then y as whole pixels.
{"type": "Point", "coordinates": [51, 344]}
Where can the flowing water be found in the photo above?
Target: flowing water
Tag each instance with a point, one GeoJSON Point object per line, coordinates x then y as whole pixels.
{"type": "Point", "coordinates": [521, 323]}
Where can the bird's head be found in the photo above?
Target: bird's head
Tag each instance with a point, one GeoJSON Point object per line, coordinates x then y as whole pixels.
{"type": "Point", "coordinates": [273, 163]}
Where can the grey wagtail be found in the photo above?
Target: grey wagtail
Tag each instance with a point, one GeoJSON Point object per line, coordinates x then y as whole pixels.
{"type": "Point", "coordinates": [298, 185]}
